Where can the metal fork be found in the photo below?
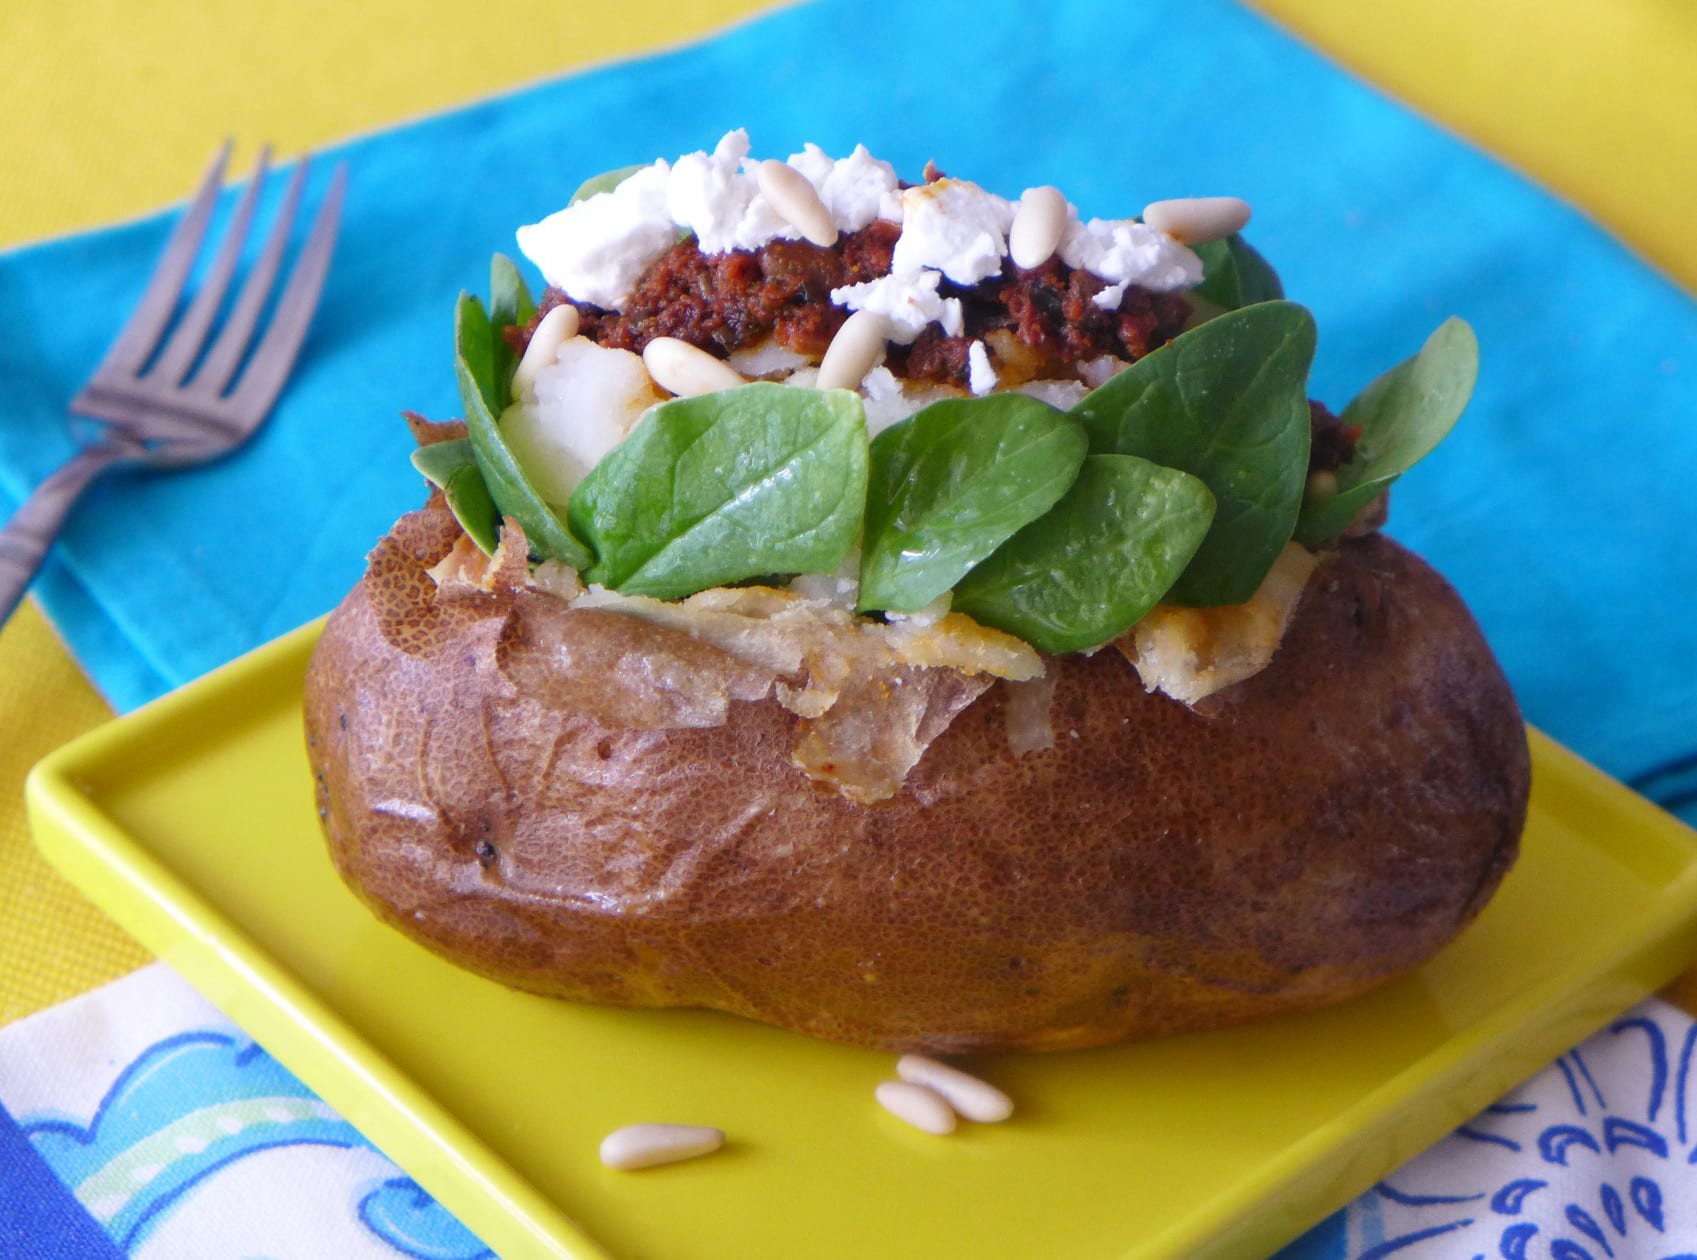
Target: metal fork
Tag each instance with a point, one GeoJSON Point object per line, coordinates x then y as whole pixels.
{"type": "Point", "coordinates": [175, 402]}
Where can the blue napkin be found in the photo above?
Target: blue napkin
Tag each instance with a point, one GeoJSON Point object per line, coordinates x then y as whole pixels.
{"type": "Point", "coordinates": [1561, 507]}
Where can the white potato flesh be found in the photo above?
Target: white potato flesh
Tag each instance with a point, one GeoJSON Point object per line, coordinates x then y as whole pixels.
{"type": "Point", "coordinates": [587, 400]}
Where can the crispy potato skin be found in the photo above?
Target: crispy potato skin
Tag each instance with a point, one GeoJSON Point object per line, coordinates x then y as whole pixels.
{"type": "Point", "coordinates": [1328, 823]}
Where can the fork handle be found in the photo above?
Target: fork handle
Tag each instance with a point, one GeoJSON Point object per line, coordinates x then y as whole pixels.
{"type": "Point", "coordinates": [27, 536]}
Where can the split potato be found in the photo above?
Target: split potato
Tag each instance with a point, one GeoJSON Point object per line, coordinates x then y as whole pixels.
{"type": "Point", "coordinates": [530, 789]}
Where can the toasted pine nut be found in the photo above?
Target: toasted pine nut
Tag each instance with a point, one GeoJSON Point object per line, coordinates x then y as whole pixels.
{"type": "Point", "coordinates": [923, 1108]}
{"type": "Point", "coordinates": [646, 1145]}
{"type": "Point", "coordinates": [553, 330]}
{"type": "Point", "coordinates": [1038, 224]}
{"type": "Point", "coordinates": [1197, 220]}
{"type": "Point", "coordinates": [854, 351]}
{"type": "Point", "coordinates": [975, 1099]}
{"type": "Point", "coordinates": [1321, 486]}
{"type": "Point", "coordinates": [685, 370]}
{"type": "Point", "coordinates": [797, 200]}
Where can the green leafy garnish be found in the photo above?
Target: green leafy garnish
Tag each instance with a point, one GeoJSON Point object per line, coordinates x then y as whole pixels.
{"type": "Point", "coordinates": [452, 467]}
{"type": "Point", "coordinates": [604, 182]}
{"type": "Point", "coordinates": [1403, 415]}
{"type": "Point", "coordinates": [952, 483]}
{"type": "Point", "coordinates": [478, 360]}
{"type": "Point", "coordinates": [1234, 274]}
{"type": "Point", "coordinates": [509, 304]}
{"type": "Point", "coordinates": [754, 481]}
{"type": "Point", "coordinates": [1102, 557]}
{"type": "Point", "coordinates": [1226, 402]}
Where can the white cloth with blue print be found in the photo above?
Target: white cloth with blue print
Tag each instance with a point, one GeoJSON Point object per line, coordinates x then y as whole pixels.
{"type": "Point", "coordinates": [186, 1141]}
{"type": "Point", "coordinates": [183, 1138]}
{"type": "Point", "coordinates": [1593, 1158]}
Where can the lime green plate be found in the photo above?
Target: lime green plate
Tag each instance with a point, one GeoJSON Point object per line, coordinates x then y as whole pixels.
{"type": "Point", "coordinates": [192, 823]}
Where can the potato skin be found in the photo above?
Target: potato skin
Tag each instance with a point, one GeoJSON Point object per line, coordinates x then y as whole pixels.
{"type": "Point", "coordinates": [1327, 823]}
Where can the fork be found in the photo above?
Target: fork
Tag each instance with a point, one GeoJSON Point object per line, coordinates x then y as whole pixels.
{"type": "Point", "coordinates": [174, 402]}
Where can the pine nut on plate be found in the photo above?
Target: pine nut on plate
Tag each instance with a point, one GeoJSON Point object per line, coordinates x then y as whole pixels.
{"type": "Point", "coordinates": [925, 1109]}
{"type": "Point", "coordinates": [976, 1099]}
{"type": "Point", "coordinates": [649, 1145]}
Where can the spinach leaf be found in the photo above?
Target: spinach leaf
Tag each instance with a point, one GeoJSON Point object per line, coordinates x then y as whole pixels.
{"type": "Point", "coordinates": [482, 393]}
{"type": "Point", "coordinates": [1226, 402]}
{"type": "Point", "coordinates": [606, 181]}
{"type": "Point", "coordinates": [509, 304]}
{"type": "Point", "coordinates": [952, 483]}
{"type": "Point", "coordinates": [1234, 274]}
{"type": "Point", "coordinates": [1101, 558]}
{"type": "Point", "coordinates": [762, 479]}
{"type": "Point", "coordinates": [452, 467]}
{"type": "Point", "coordinates": [1403, 415]}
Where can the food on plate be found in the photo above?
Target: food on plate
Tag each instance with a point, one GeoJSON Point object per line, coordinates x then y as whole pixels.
{"type": "Point", "coordinates": [916, 618]}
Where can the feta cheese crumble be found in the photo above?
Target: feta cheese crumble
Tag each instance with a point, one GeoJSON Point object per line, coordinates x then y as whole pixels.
{"type": "Point", "coordinates": [909, 300]}
{"type": "Point", "coordinates": [955, 227]}
{"type": "Point", "coordinates": [1124, 252]}
{"type": "Point", "coordinates": [597, 249]}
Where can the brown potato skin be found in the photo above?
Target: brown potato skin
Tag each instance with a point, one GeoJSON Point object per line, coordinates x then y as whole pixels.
{"type": "Point", "coordinates": [1329, 822]}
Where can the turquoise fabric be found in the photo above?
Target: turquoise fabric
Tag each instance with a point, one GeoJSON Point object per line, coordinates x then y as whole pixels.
{"type": "Point", "coordinates": [1560, 507]}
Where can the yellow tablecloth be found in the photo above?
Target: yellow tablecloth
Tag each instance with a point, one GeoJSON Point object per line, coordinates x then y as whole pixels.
{"type": "Point", "coordinates": [110, 109]}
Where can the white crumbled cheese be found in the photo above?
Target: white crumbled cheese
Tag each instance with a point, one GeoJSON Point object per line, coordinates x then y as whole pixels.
{"type": "Point", "coordinates": [814, 164]}
{"type": "Point", "coordinates": [712, 196]}
{"type": "Point", "coordinates": [860, 189]}
{"type": "Point", "coordinates": [597, 249]}
{"type": "Point", "coordinates": [954, 226]}
{"type": "Point", "coordinates": [909, 300]}
{"type": "Point", "coordinates": [587, 401]}
{"type": "Point", "coordinates": [1125, 252]}
{"type": "Point", "coordinates": [981, 378]}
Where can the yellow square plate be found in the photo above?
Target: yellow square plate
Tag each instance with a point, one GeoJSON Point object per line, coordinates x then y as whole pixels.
{"type": "Point", "coordinates": [191, 821]}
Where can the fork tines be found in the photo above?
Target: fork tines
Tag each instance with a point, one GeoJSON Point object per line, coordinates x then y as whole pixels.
{"type": "Point", "coordinates": [147, 391]}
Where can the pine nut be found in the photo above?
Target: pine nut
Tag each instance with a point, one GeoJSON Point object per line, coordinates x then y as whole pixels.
{"type": "Point", "coordinates": [686, 370]}
{"type": "Point", "coordinates": [647, 1145]}
{"type": "Point", "coordinates": [555, 328]}
{"type": "Point", "coordinates": [975, 1099]}
{"type": "Point", "coordinates": [793, 197]}
{"type": "Point", "coordinates": [923, 1108]}
{"type": "Point", "coordinates": [854, 351]}
{"type": "Point", "coordinates": [1197, 220]}
{"type": "Point", "coordinates": [1038, 223]}
{"type": "Point", "coordinates": [1321, 485]}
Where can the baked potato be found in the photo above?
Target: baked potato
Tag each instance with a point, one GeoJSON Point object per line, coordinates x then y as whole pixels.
{"type": "Point", "coordinates": [1155, 760]}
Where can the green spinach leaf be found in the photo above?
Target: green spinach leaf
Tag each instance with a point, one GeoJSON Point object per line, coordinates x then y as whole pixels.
{"type": "Point", "coordinates": [1403, 415]}
{"type": "Point", "coordinates": [482, 393]}
{"type": "Point", "coordinates": [1102, 557]}
{"type": "Point", "coordinates": [509, 304]}
{"type": "Point", "coordinates": [1226, 402]}
{"type": "Point", "coordinates": [606, 181]}
{"type": "Point", "coordinates": [758, 480]}
{"type": "Point", "coordinates": [952, 483]}
{"type": "Point", "coordinates": [1235, 274]}
{"type": "Point", "coordinates": [452, 467]}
